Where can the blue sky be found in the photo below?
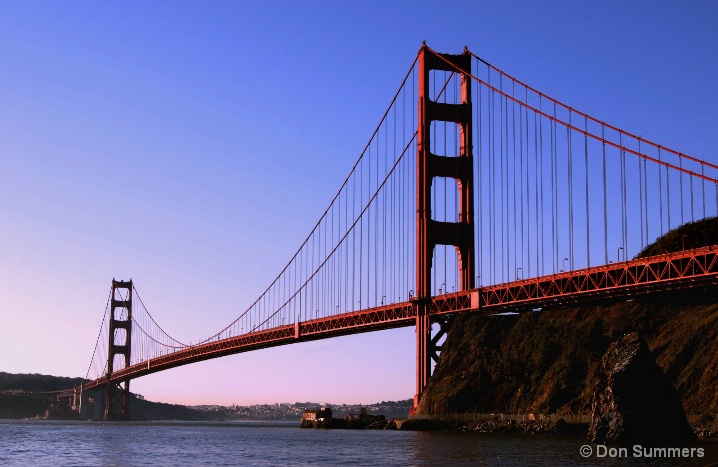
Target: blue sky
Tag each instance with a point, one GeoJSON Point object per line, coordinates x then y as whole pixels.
{"type": "Point", "coordinates": [191, 146]}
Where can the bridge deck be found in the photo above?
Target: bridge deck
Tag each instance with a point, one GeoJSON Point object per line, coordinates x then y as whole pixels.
{"type": "Point", "coordinates": [673, 271]}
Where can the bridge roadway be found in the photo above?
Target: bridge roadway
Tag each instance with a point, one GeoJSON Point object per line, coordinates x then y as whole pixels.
{"type": "Point", "coordinates": [674, 271]}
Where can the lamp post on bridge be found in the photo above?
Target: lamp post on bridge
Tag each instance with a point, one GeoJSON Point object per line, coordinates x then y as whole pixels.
{"type": "Point", "coordinates": [517, 273]}
{"type": "Point", "coordinates": [618, 254]}
{"type": "Point", "coordinates": [563, 265]}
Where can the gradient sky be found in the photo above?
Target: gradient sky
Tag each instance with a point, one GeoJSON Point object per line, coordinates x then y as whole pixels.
{"type": "Point", "coordinates": [191, 146]}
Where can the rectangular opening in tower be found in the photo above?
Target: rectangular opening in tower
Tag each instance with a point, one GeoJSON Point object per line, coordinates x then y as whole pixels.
{"type": "Point", "coordinates": [445, 270]}
{"type": "Point", "coordinates": [120, 313]}
{"type": "Point", "coordinates": [118, 362]}
{"type": "Point", "coordinates": [445, 138]}
{"type": "Point", "coordinates": [445, 86]}
{"type": "Point", "coordinates": [120, 337]}
{"type": "Point", "coordinates": [445, 199]}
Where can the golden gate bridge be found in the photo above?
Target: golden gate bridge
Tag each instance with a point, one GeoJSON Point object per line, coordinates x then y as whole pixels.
{"type": "Point", "coordinates": [476, 193]}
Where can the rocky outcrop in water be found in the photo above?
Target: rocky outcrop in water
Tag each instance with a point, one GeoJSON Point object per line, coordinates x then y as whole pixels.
{"type": "Point", "coordinates": [634, 401]}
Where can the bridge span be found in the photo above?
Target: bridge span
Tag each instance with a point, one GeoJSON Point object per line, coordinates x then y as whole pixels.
{"type": "Point", "coordinates": [471, 177]}
{"type": "Point", "coordinates": [675, 271]}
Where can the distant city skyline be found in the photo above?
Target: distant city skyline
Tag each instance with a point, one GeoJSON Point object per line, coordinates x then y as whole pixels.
{"type": "Point", "coordinates": [191, 146]}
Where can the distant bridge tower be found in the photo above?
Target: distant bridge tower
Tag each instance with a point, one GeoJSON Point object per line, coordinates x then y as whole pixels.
{"type": "Point", "coordinates": [430, 232]}
{"type": "Point", "coordinates": [117, 397]}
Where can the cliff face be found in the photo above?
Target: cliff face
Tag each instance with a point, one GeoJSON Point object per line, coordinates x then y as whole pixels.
{"type": "Point", "coordinates": [546, 362]}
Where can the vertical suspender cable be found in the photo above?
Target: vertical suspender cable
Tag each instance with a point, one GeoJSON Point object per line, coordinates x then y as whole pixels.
{"type": "Point", "coordinates": [479, 185]}
{"type": "Point", "coordinates": [640, 193]}
{"type": "Point", "coordinates": [668, 197]}
{"type": "Point", "coordinates": [703, 182]}
{"type": "Point", "coordinates": [625, 197]}
{"type": "Point", "coordinates": [605, 205]}
{"type": "Point", "coordinates": [645, 198]}
{"type": "Point", "coordinates": [513, 178]}
{"type": "Point", "coordinates": [521, 185]}
{"type": "Point", "coordinates": [569, 142]}
{"type": "Point", "coordinates": [367, 303]}
{"type": "Point", "coordinates": [492, 183]}
{"type": "Point", "coordinates": [588, 213]}
{"type": "Point", "coordinates": [693, 217]}
{"type": "Point", "coordinates": [680, 165]}
{"type": "Point", "coordinates": [361, 230]}
{"type": "Point", "coordinates": [528, 188]}
{"type": "Point", "coordinates": [660, 192]}
{"type": "Point", "coordinates": [623, 194]}
{"type": "Point", "coordinates": [354, 235]}
{"type": "Point", "coordinates": [507, 252]}
{"type": "Point", "coordinates": [542, 260]}
{"type": "Point", "coordinates": [376, 228]}
{"type": "Point", "coordinates": [553, 193]}
{"type": "Point", "coordinates": [555, 174]}
{"type": "Point", "coordinates": [537, 179]}
{"type": "Point", "coordinates": [501, 176]}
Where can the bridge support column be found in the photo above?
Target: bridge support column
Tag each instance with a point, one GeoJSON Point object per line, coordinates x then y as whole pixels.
{"type": "Point", "coordinates": [92, 405]}
{"type": "Point", "coordinates": [434, 345]}
{"type": "Point", "coordinates": [430, 232]}
{"type": "Point", "coordinates": [423, 341]}
{"type": "Point", "coordinates": [117, 393]}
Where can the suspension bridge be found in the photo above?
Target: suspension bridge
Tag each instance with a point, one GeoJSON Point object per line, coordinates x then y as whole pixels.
{"type": "Point", "coordinates": [476, 193]}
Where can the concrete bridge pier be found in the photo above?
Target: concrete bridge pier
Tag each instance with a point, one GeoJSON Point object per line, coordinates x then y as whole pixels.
{"type": "Point", "coordinates": [92, 404]}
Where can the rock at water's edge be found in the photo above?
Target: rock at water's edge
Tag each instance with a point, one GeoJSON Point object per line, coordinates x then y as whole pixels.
{"type": "Point", "coordinates": [634, 401]}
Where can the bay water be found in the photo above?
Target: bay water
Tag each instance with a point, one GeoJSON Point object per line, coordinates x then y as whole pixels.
{"type": "Point", "coordinates": [84, 443]}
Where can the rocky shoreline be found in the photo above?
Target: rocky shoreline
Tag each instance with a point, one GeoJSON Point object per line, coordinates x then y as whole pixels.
{"type": "Point", "coordinates": [703, 430]}
{"type": "Point", "coordinates": [496, 425]}
{"type": "Point", "coordinates": [422, 424]}
{"type": "Point", "coordinates": [538, 427]}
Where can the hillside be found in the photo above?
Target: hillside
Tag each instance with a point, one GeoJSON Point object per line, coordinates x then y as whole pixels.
{"type": "Point", "coordinates": [22, 396]}
{"type": "Point", "coordinates": [35, 382]}
{"type": "Point", "coordinates": [544, 362]}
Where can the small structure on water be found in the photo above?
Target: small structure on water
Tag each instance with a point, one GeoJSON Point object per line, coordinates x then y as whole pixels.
{"type": "Point", "coordinates": [363, 417]}
{"type": "Point", "coordinates": [314, 415]}
{"type": "Point", "coordinates": [356, 421]}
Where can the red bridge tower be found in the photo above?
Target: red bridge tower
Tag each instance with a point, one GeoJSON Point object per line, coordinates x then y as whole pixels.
{"type": "Point", "coordinates": [430, 232]}
{"type": "Point", "coordinates": [117, 397]}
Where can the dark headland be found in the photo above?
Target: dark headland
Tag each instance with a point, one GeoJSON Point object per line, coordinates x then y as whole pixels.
{"type": "Point", "coordinates": [547, 363]}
